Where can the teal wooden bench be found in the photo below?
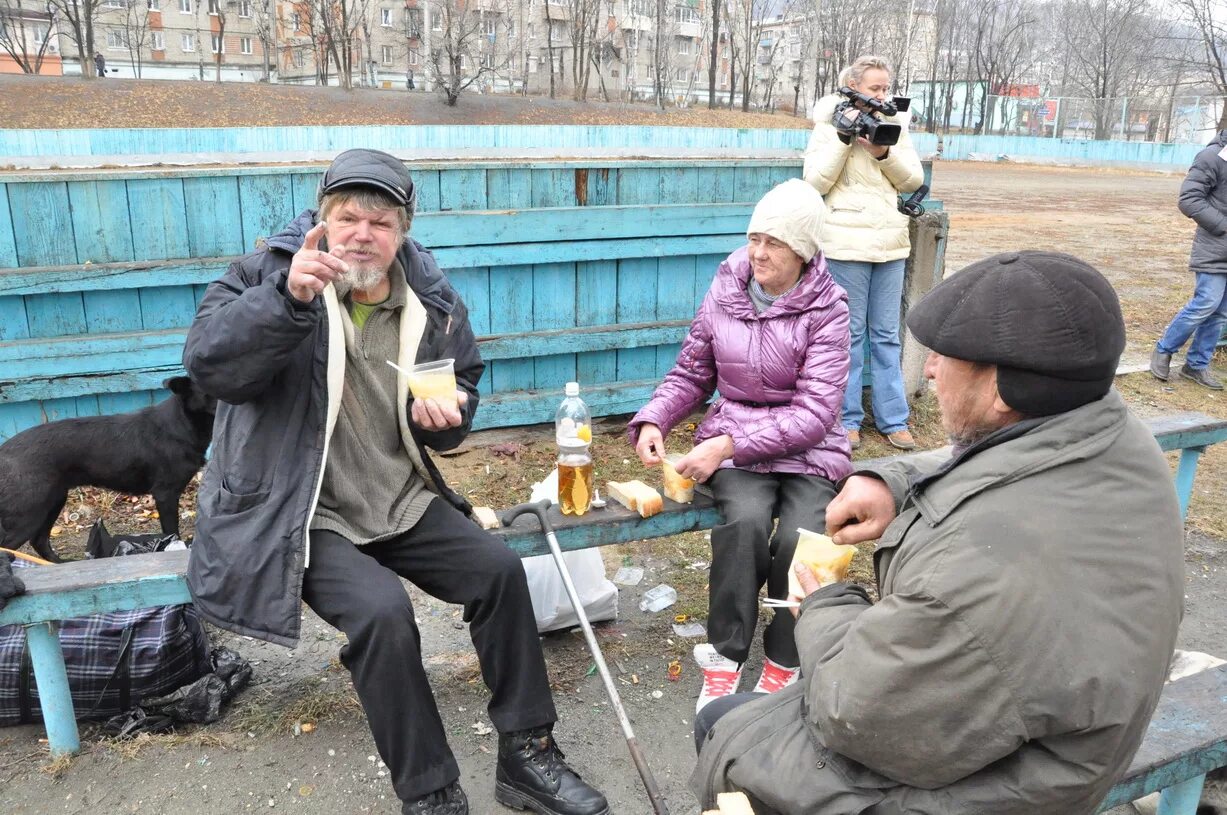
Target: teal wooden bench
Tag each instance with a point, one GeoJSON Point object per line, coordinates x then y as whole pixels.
{"type": "Point", "coordinates": [1187, 737]}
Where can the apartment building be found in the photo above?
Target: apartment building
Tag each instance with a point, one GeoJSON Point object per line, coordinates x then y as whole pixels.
{"type": "Point", "coordinates": [29, 40]}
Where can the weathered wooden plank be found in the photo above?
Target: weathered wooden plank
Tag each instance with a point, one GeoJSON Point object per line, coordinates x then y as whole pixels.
{"type": "Point", "coordinates": [265, 206]}
{"type": "Point", "coordinates": [638, 185]}
{"type": "Point", "coordinates": [55, 315]}
{"type": "Point", "coordinates": [554, 188]}
{"type": "Point", "coordinates": [42, 224]}
{"type": "Point", "coordinates": [462, 189]}
{"type": "Point", "coordinates": [553, 308]}
{"type": "Point", "coordinates": [751, 183]}
{"type": "Point", "coordinates": [509, 189]}
{"type": "Point", "coordinates": [73, 278]}
{"type": "Point", "coordinates": [214, 219]}
{"type": "Point", "coordinates": [511, 311]}
{"type": "Point", "coordinates": [426, 185]}
{"type": "Point", "coordinates": [8, 247]}
{"type": "Point", "coordinates": [1178, 431]}
{"type": "Point", "coordinates": [93, 586]}
{"type": "Point", "coordinates": [165, 307]}
{"type": "Point", "coordinates": [56, 409]}
{"type": "Point", "coordinates": [601, 189]}
{"type": "Point", "coordinates": [123, 402]}
{"type": "Point", "coordinates": [489, 228]}
{"type": "Point", "coordinates": [303, 190]}
{"type": "Point", "coordinates": [1186, 738]}
{"type": "Point", "coordinates": [158, 216]}
{"type": "Point", "coordinates": [18, 417]}
{"type": "Point", "coordinates": [596, 304]}
{"type": "Point", "coordinates": [705, 267]}
{"type": "Point", "coordinates": [100, 223]}
{"type": "Point", "coordinates": [13, 323]}
{"type": "Point", "coordinates": [636, 288]}
{"type": "Point", "coordinates": [674, 301]}
{"type": "Point", "coordinates": [533, 407]}
{"type": "Point", "coordinates": [111, 311]}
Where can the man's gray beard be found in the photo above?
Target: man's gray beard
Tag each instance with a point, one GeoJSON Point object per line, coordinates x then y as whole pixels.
{"type": "Point", "coordinates": [363, 277]}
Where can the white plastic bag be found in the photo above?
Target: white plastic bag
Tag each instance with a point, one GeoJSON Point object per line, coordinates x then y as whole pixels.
{"type": "Point", "coordinates": [551, 605]}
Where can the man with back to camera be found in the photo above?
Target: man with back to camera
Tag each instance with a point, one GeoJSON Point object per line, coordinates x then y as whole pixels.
{"type": "Point", "coordinates": [321, 488]}
{"type": "Point", "coordinates": [1031, 583]}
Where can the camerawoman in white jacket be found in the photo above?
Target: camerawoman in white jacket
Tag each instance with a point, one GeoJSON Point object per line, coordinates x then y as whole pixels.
{"type": "Point", "coordinates": [866, 243]}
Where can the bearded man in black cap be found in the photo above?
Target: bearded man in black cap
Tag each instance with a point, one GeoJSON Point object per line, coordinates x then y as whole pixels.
{"type": "Point", "coordinates": [321, 486]}
{"type": "Point", "coordinates": [1030, 582]}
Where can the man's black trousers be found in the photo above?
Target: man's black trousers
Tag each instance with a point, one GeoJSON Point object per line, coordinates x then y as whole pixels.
{"type": "Point", "coordinates": [356, 590]}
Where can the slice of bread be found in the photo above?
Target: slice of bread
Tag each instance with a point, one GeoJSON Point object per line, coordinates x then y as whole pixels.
{"type": "Point", "coordinates": [677, 487]}
{"type": "Point", "coordinates": [828, 560]}
{"type": "Point", "coordinates": [486, 518]}
{"type": "Point", "coordinates": [636, 496]}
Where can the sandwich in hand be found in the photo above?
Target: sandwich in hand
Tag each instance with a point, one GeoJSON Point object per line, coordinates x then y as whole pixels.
{"type": "Point", "coordinates": [828, 560]}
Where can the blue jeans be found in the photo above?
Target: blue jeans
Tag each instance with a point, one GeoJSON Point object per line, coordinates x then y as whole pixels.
{"type": "Point", "coordinates": [875, 291]}
{"type": "Point", "coordinates": [1202, 318]}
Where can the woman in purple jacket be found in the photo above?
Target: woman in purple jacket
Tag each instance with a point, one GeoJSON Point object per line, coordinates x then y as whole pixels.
{"type": "Point", "coordinates": [772, 337]}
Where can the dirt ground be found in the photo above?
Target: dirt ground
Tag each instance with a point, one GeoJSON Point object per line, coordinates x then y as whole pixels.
{"type": "Point", "coordinates": [70, 102]}
{"type": "Point", "coordinates": [1125, 223]}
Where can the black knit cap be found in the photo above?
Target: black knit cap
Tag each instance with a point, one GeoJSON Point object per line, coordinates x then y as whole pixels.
{"type": "Point", "coordinates": [368, 168]}
{"type": "Point", "coordinates": [1050, 323]}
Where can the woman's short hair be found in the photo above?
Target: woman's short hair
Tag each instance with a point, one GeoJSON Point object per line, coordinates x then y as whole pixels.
{"type": "Point", "coordinates": [856, 71]}
{"type": "Point", "coordinates": [366, 198]}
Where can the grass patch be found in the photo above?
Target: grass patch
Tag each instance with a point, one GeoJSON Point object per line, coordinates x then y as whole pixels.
{"type": "Point", "coordinates": [263, 711]}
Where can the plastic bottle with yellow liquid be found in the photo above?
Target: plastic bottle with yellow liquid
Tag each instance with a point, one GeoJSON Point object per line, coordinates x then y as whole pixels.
{"type": "Point", "coordinates": [573, 432]}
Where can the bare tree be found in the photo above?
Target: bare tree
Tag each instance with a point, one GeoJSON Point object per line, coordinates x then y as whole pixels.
{"type": "Point", "coordinates": [26, 35]}
{"type": "Point", "coordinates": [714, 59]}
{"type": "Point", "coordinates": [264, 22]}
{"type": "Point", "coordinates": [459, 59]}
{"type": "Point", "coordinates": [586, 41]}
{"type": "Point", "coordinates": [1002, 45]}
{"type": "Point", "coordinates": [80, 16]}
{"type": "Point", "coordinates": [136, 32]}
{"type": "Point", "coordinates": [1208, 19]}
{"type": "Point", "coordinates": [1110, 42]}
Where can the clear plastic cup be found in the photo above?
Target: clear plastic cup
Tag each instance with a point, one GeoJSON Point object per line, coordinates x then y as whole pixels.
{"type": "Point", "coordinates": [434, 380]}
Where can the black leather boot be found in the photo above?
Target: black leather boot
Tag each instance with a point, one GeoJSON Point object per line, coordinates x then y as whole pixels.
{"type": "Point", "coordinates": [531, 774]}
{"type": "Point", "coordinates": [450, 800]}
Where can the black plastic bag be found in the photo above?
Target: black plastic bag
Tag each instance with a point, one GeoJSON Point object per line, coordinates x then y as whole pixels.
{"type": "Point", "coordinates": [102, 543]}
{"type": "Point", "coordinates": [200, 702]}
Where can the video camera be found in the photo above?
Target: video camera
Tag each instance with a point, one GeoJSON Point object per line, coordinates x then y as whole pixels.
{"type": "Point", "coordinates": [852, 121]}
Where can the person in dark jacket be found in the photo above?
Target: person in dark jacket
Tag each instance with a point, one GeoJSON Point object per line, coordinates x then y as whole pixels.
{"type": "Point", "coordinates": [1022, 633]}
{"type": "Point", "coordinates": [100, 65]}
{"type": "Point", "coordinates": [321, 487]}
{"type": "Point", "coordinates": [772, 337]}
{"type": "Point", "coordinates": [1203, 197]}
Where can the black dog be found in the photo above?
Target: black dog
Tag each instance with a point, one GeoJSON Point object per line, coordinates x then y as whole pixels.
{"type": "Point", "coordinates": [155, 450]}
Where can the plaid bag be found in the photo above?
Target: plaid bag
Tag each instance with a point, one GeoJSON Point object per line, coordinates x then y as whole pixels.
{"type": "Point", "coordinates": [114, 660]}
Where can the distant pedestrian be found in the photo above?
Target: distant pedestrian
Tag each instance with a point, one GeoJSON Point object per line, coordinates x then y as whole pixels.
{"type": "Point", "coordinates": [409, 79]}
{"type": "Point", "coordinates": [100, 63]}
{"type": "Point", "coordinates": [1203, 197]}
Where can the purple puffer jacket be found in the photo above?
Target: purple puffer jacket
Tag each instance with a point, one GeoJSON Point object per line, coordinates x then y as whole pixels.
{"type": "Point", "coordinates": [781, 374]}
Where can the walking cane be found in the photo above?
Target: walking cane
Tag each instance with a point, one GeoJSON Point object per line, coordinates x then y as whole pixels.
{"type": "Point", "coordinates": [540, 509]}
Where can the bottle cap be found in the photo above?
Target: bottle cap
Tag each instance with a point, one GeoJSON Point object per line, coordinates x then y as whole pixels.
{"type": "Point", "coordinates": [572, 389]}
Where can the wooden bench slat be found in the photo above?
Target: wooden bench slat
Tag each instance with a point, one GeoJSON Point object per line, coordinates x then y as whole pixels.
{"type": "Point", "coordinates": [1187, 737]}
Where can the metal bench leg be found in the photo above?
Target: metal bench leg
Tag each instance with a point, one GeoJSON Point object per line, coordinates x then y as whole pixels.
{"type": "Point", "coordinates": [1182, 798]}
{"type": "Point", "coordinates": [54, 696]}
{"type": "Point", "coordinates": [1184, 476]}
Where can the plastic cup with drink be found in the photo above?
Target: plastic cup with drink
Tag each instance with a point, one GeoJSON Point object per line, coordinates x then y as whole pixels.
{"type": "Point", "coordinates": [432, 380]}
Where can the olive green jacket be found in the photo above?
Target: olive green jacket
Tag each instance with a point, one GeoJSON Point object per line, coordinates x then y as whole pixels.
{"type": "Point", "coordinates": [1030, 595]}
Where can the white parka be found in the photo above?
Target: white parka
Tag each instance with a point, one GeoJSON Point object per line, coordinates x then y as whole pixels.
{"type": "Point", "coordinates": [863, 220]}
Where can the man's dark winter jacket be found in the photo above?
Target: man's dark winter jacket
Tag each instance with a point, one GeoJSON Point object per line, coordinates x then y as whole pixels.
{"type": "Point", "coordinates": [277, 368]}
{"type": "Point", "coordinates": [1203, 197]}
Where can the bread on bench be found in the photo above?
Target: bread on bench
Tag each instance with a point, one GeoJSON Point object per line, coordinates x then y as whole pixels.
{"type": "Point", "coordinates": [636, 496]}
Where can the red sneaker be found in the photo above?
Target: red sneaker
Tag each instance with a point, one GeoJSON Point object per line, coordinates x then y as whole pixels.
{"type": "Point", "coordinates": [720, 674]}
{"type": "Point", "coordinates": [775, 677]}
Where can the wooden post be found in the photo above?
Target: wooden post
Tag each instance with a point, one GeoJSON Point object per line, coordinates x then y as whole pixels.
{"type": "Point", "coordinates": [925, 269]}
{"type": "Point", "coordinates": [54, 695]}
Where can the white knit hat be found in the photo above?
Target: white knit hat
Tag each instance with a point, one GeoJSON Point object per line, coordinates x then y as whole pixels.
{"type": "Point", "coordinates": [792, 212]}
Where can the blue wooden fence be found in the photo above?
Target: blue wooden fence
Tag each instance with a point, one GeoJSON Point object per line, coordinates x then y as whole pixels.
{"type": "Point", "coordinates": [125, 142]}
{"type": "Point", "coordinates": [581, 270]}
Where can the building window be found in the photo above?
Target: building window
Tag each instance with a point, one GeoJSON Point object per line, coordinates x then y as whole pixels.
{"type": "Point", "coordinates": [155, 5]}
{"type": "Point", "coordinates": [216, 45]}
{"type": "Point", "coordinates": [386, 54]}
{"type": "Point", "coordinates": [643, 8]}
{"type": "Point", "coordinates": [686, 14]}
{"type": "Point", "coordinates": [213, 7]}
{"type": "Point", "coordinates": [413, 22]}
{"type": "Point", "coordinates": [245, 8]}
{"type": "Point", "coordinates": [117, 40]}
{"type": "Point", "coordinates": [413, 56]}
{"type": "Point", "coordinates": [245, 45]}
{"type": "Point", "coordinates": [385, 17]}
{"type": "Point", "coordinates": [632, 39]}
{"type": "Point", "coordinates": [298, 58]}
{"type": "Point", "coordinates": [683, 46]}
{"type": "Point", "coordinates": [295, 21]}
{"type": "Point", "coordinates": [158, 41]}
{"type": "Point", "coordinates": [532, 32]}
{"type": "Point", "coordinates": [114, 4]}
{"type": "Point", "coordinates": [491, 28]}
{"type": "Point", "coordinates": [487, 60]}
{"type": "Point", "coordinates": [185, 6]}
{"type": "Point", "coordinates": [681, 75]}
{"type": "Point", "coordinates": [436, 23]}
{"type": "Point", "coordinates": [187, 42]}
{"type": "Point", "coordinates": [511, 29]}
